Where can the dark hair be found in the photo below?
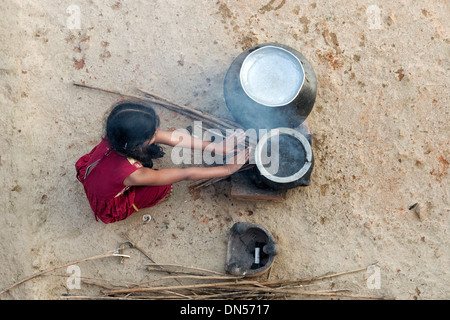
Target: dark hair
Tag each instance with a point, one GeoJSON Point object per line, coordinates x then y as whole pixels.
{"type": "Point", "coordinates": [128, 126]}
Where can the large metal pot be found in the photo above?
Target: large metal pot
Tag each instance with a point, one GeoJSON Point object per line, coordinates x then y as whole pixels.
{"type": "Point", "coordinates": [284, 158]}
{"type": "Point", "coordinates": [269, 86]}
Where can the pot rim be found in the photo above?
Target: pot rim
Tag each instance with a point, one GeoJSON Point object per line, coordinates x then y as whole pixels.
{"type": "Point", "coordinates": [249, 57]}
{"type": "Point", "coordinates": [301, 172]}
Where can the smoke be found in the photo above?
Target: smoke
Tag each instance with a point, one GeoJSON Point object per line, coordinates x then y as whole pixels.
{"type": "Point", "coordinates": [232, 142]}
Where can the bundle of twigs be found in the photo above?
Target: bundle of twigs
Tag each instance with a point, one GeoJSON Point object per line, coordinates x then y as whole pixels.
{"type": "Point", "coordinates": [211, 285]}
{"type": "Point", "coordinates": [207, 119]}
{"type": "Point", "coordinates": [195, 283]}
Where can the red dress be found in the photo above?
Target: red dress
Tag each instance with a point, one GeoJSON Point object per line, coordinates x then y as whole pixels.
{"type": "Point", "coordinates": [109, 198]}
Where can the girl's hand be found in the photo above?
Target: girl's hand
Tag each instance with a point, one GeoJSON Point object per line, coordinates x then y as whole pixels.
{"type": "Point", "coordinates": [228, 145]}
{"type": "Point", "coordinates": [235, 163]}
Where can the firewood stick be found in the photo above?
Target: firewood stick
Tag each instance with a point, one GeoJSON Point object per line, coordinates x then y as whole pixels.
{"type": "Point", "coordinates": [186, 267]}
{"type": "Point", "coordinates": [105, 255]}
{"type": "Point", "coordinates": [163, 288]}
{"type": "Point", "coordinates": [197, 277]}
{"type": "Point", "coordinates": [186, 111]}
{"type": "Point", "coordinates": [251, 142]}
{"type": "Point", "coordinates": [209, 181]}
{"type": "Point", "coordinates": [205, 182]}
{"type": "Point", "coordinates": [69, 297]}
{"type": "Point", "coordinates": [225, 123]}
{"type": "Point", "coordinates": [330, 293]}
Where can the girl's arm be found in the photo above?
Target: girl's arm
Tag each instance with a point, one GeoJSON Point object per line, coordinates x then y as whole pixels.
{"type": "Point", "coordinates": [185, 140]}
{"type": "Point", "coordinates": [149, 177]}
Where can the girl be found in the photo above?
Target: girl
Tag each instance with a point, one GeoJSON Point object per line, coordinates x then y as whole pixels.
{"type": "Point", "coordinates": [117, 175]}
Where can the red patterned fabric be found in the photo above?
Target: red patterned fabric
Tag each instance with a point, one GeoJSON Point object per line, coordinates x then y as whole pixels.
{"type": "Point", "coordinates": [109, 198]}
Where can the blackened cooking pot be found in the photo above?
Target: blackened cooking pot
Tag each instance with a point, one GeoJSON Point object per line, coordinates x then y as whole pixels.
{"type": "Point", "coordinates": [269, 86]}
{"type": "Point", "coordinates": [284, 158]}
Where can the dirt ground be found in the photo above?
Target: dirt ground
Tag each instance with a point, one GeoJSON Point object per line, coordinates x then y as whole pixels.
{"type": "Point", "coordinates": [380, 139]}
